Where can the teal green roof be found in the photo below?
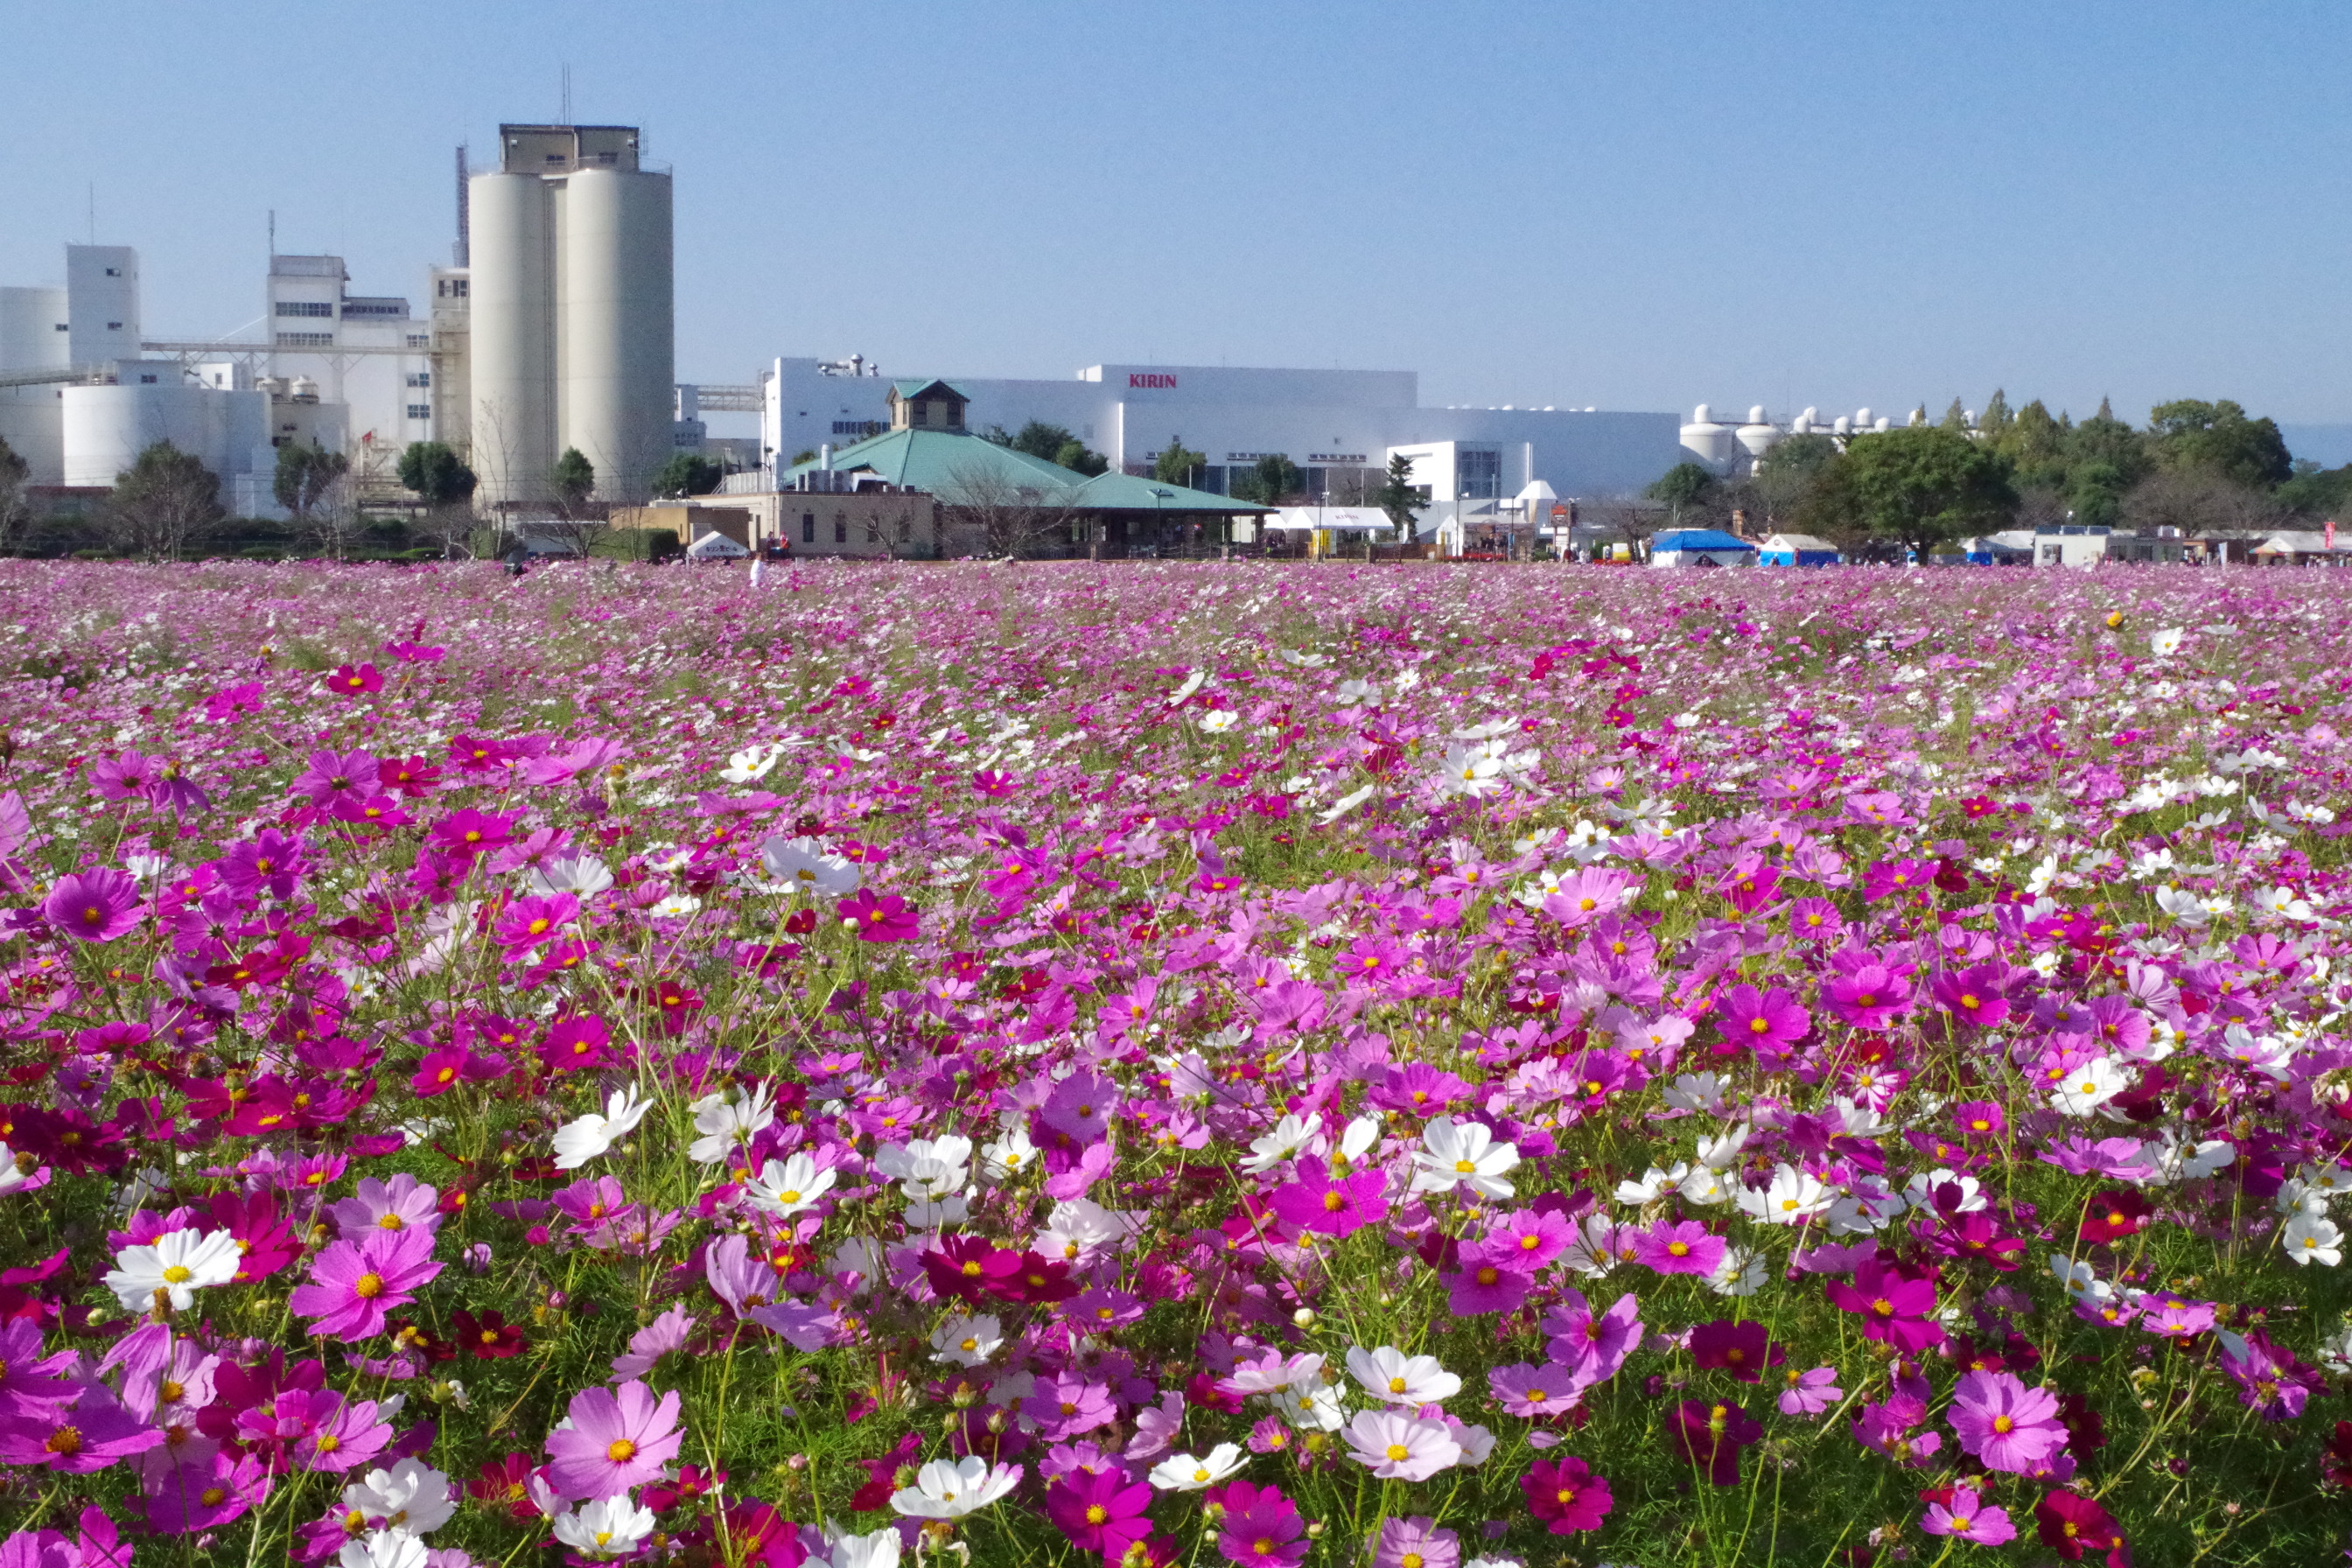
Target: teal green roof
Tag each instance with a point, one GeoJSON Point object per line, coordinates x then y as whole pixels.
{"type": "Point", "coordinates": [939, 462]}
{"type": "Point", "coordinates": [906, 389]}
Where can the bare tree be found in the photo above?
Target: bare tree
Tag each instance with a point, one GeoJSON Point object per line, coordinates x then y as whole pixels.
{"type": "Point", "coordinates": [2199, 502]}
{"type": "Point", "coordinates": [163, 501]}
{"type": "Point", "coordinates": [1006, 518]}
{"type": "Point", "coordinates": [1626, 519]}
{"type": "Point", "coordinates": [14, 513]}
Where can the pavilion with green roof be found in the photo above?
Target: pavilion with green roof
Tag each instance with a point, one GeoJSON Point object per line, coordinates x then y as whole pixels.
{"type": "Point", "coordinates": [993, 494]}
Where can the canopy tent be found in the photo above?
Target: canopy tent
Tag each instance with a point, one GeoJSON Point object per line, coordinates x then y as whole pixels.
{"type": "Point", "coordinates": [1797, 550]}
{"type": "Point", "coordinates": [715, 546]}
{"type": "Point", "coordinates": [1335, 518]}
{"type": "Point", "coordinates": [1700, 547]}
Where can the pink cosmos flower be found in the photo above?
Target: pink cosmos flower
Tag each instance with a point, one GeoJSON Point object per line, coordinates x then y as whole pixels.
{"type": "Point", "coordinates": [1260, 1527]}
{"type": "Point", "coordinates": [2005, 1425]}
{"type": "Point", "coordinates": [339, 1433]}
{"type": "Point", "coordinates": [1533, 1393]}
{"type": "Point", "coordinates": [404, 1202]}
{"type": "Point", "coordinates": [1810, 1393]}
{"type": "Point", "coordinates": [1099, 1512]}
{"type": "Point", "coordinates": [1765, 1020]}
{"type": "Point", "coordinates": [1316, 1202]}
{"type": "Point", "coordinates": [355, 680]}
{"type": "Point", "coordinates": [1872, 997]}
{"type": "Point", "coordinates": [883, 917]}
{"type": "Point", "coordinates": [1489, 1280]}
{"type": "Point", "coordinates": [1594, 1343]}
{"type": "Point", "coordinates": [532, 922]}
{"type": "Point", "coordinates": [618, 1440]}
{"type": "Point", "coordinates": [1965, 1519]}
{"type": "Point", "coordinates": [1530, 1239]}
{"type": "Point", "coordinates": [1066, 1404]}
{"type": "Point", "coordinates": [1712, 1433]}
{"type": "Point", "coordinates": [221, 1491]}
{"type": "Point", "coordinates": [79, 1436]}
{"type": "Point", "coordinates": [96, 905]}
{"type": "Point", "coordinates": [1891, 1304]}
{"type": "Point", "coordinates": [1973, 995]}
{"type": "Point", "coordinates": [1415, 1543]}
{"type": "Point", "coordinates": [1678, 1248]}
{"type": "Point", "coordinates": [353, 1284]}
{"type": "Point", "coordinates": [1566, 1495]}
{"type": "Point", "coordinates": [1741, 1348]}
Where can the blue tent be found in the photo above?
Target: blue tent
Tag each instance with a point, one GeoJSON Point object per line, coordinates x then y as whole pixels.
{"type": "Point", "coordinates": [1699, 547]}
{"type": "Point", "coordinates": [1798, 550]}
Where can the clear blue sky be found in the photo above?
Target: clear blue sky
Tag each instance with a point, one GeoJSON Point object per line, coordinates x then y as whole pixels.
{"type": "Point", "coordinates": [1629, 206]}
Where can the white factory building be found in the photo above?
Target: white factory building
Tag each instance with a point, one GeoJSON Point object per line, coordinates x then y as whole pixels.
{"type": "Point", "coordinates": [570, 302]}
{"type": "Point", "coordinates": [1339, 427]}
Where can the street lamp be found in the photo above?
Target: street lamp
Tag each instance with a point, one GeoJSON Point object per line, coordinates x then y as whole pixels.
{"type": "Point", "coordinates": [1157, 497]}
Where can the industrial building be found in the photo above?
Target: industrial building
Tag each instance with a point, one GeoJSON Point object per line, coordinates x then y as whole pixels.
{"type": "Point", "coordinates": [1339, 427]}
{"type": "Point", "coordinates": [569, 299]}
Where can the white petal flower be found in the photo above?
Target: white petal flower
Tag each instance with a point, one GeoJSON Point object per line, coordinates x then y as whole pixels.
{"type": "Point", "coordinates": [608, 1527]}
{"type": "Point", "coordinates": [1398, 1446]}
{"type": "Point", "coordinates": [1393, 1378]}
{"type": "Point", "coordinates": [2311, 1239]}
{"type": "Point", "coordinates": [787, 1186]}
{"type": "Point", "coordinates": [1290, 1135]}
{"type": "Point", "coordinates": [726, 1119]}
{"type": "Point", "coordinates": [1464, 1154]}
{"type": "Point", "coordinates": [1184, 1473]}
{"type": "Point", "coordinates": [945, 1490]}
{"type": "Point", "coordinates": [179, 1263]}
{"type": "Point", "coordinates": [577, 1142]}
{"type": "Point", "coordinates": [968, 1341]}
{"type": "Point", "coordinates": [411, 1496]}
{"type": "Point", "coordinates": [803, 866]}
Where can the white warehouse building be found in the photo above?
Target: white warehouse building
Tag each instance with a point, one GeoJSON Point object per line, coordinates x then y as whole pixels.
{"type": "Point", "coordinates": [1338, 427]}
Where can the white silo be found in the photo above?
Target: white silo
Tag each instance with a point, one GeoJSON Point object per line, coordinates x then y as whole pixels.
{"type": "Point", "coordinates": [570, 305]}
{"type": "Point", "coordinates": [1706, 442]}
{"type": "Point", "coordinates": [512, 329]}
{"type": "Point", "coordinates": [1758, 436]}
{"type": "Point", "coordinates": [616, 354]}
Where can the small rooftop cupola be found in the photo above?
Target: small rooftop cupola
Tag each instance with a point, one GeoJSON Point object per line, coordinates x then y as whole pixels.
{"type": "Point", "coordinates": [926, 406]}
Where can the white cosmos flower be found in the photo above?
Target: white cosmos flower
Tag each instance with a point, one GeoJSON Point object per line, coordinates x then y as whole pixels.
{"type": "Point", "coordinates": [1357, 693]}
{"type": "Point", "coordinates": [577, 1142]}
{"type": "Point", "coordinates": [750, 763]}
{"type": "Point", "coordinates": [676, 907]}
{"type": "Point", "coordinates": [1010, 1155]}
{"type": "Point", "coordinates": [1705, 1185]}
{"type": "Point", "coordinates": [11, 1175]}
{"type": "Point", "coordinates": [1653, 1184]}
{"type": "Point", "coordinates": [1791, 1197]}
{"type": "Point", "coordinates": [968, 1341]}
{"type": "Point", "coordinates": [1355, 1140]}
{"type": "Point", "coordinates": [385, 1549]}
{"type": "Point", "coordinates": [2311, 1239]}
{"type": "Point", "coordinates": [1311, 1406]}
{"type": "Point", "coordinates": [1393, 1378]}
{"type": "Point", "coordinates": [584, 876]}
{"type": "Point", "coordinates": [1184, 1473]}
{"type": "Point", "coordinates": [179, 1263]}
{"type": "Point", "coordinates": [411, 1496]}
{"type": "Point", "coordinates": [1343, 806]}
{"type": "Point", "coordinates": [2086, 1087]}
{"type": "Point", "coordinates": [1695, 1092]}
{"type": "Point", "coordinates": [1919, 1192]}
{"type": "Point", "coordinates": [2079, 1279]}
{"type": "Point", "coordinates": [1398, 1446]}
{"type": "Point", "coordinates": [1463, 1154]}
{"type": "Point", "coordinates": [926, 1168]}
{"type": "Point", "coordinates": [1290, 1135]}
{"type": "Point", "coordinates": [945, 1490]}
{"type": "Point", "coordinates": [803, 866]}
{"type": "Point", "coordinates": [727, 1120]}
{"type": "Point", "coordinates": [878, 1550]}
{"type": "Point", "coordinates": [608, 1527]}
{"type": "Point", "coordinates": [1191, 684]}
{"type": "Point", "coordinates": [1739, 1272]}
{"type": "Point", "coordinates": [787, 1186]}
{"type": "Point", "coordinates": [2166, 642]}
{"type": "Point", "coordinates": [1474, 770]}
{"type": "Point", "coordinates": [1218, 721]}
{"type": "Point", "coordinates": [2186, 908]}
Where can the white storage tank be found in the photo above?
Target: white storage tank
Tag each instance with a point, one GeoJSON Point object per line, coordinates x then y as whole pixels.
{"type": "Point", "coordinates": [1709, 443]}
{"type": "Point", "coordinates": [106, 428]}
{"type": "Point", "coordinates": [617, 357]}
{"type": "Point", "coordinates": [1758, 436]}
{"type": "Point", "coordinates": [512, 349]}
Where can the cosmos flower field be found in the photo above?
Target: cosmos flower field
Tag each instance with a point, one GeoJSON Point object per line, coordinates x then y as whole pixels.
{"type": "Point", "coordinates": [1171, 1064]}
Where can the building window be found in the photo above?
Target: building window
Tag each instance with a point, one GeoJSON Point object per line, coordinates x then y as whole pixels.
{"type": "Point", "coordinates": [146, 381]}
{"type": "Point", "coordinates": [840, 529]}
{"type": "Point", "coordinates": [808, 528]}
{"type": "Point", "coordinates": [304, 308]}
{"type": "Point", "coordinates": [63, 328]}
{"type": "Point", "coordinates": [420, 378]}
{"type": "Point", "coordinates": [420, 411]}
{"type": "Point", "coordinates": [420, 340]}
{"type": "Point", "coordinates": [906, 530]}
{"type": "Point", "coordinates": [1477, 475]}
{"type": "Point", "coordinates": [306, 340]}
{"type": "Point", "coordinates": [855, 427]}
{"type": "Point", "coordinates": [114, 272]}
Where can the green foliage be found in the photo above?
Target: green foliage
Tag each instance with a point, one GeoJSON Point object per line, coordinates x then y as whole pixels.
{"type": "Point", "coordinates": [2220, 438]}
{"type": "Point", "coordinates": [1684, 486]}
{"type": "Point", "coordinates": [164, 499]}
{"type": "Point", "coordinates": [1076, 454]}
{"type": "Point", "coordinates": [687, 474]}
{"type": "Point", "coordinates": [305, 474]}
{"type": "Point", "coordinates": [1799, 456]}
{"type": "Point", "coordinates": [1912, 488]}
{"type": "Point", "coordinates": [1177, 464]}
{"type": "Point", "coordinates": [434, 471]}
{"type": "Point", "coordinates": [1399, 497]}
{"type": "Point", "coordinates": [806, 454]}
{"type": "Point", "coordinates": [1269, 481]}
{"type": "Point", "coordinates": [574, 479]}
{"type": "Point", "coordinates": [2312, 490]}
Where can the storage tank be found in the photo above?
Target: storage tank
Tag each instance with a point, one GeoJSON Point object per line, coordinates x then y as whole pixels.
{"type": "Point", "coordinates": [106, 428]}
{"type": "Point", "coordinates": [1758, 436]}
{"type": "Point", "coordinates": [1707, 442]}
{"type": "Point", "coordinates": [30, 338]}
{"type": "Point", "coordinates": [616, 357]}
{"type": "Point", "coordinates": [512, 326]}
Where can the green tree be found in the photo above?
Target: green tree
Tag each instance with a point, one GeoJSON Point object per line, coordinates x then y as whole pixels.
{"type": "Point", "coordinates": [306, 473]}
{"type": "Point", "coordinates": [687, 474]}
{"type": "Point", "coordinates": [2094, 491]}
{"type": "Point", "coordinates": [2219, 438]}
{"type": "Point", "coordinates": [1177, 463]}
{"type": "Point", "coordinates": [1269, 481]}
{"type": "Point", "coordinates": [1786, 475]}
{"type": "Point", "coordinates": [434, 471]}
{"type": "Point", "coordinates": [164, 500]}
{"type": "Point", "coordinates": [2104, 439]}
{"type": "Point", "coordinates": [1684, 487]}
{"type": "Point", "coordinates": [1956, 419]}
{"type": "Point", "coordinates": [1076, 454]}
{"type": "Point", "coordinates": [1399, 498]}
{"type": "Point", "coordinates": [574, 479]}
{"type": "Point", "coordinates": [1039, 439]}
{"type": "Point", "coordinates": [2312, 490]}
{"type": "Point", "coordinates": [1912, 488]}
{"type": "Point", "coordinates": [1993, 423]}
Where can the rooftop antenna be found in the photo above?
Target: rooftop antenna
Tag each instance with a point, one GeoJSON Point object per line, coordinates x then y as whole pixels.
{"type": "Point", "coordinates": [567, 97]}
{"type": "Point", "coordinates": [273, 234]}
{"type": "Point", "coordinates": [464, 213]}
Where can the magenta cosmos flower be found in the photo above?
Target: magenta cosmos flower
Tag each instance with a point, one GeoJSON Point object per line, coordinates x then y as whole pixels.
{"type": "Point", "coordinates": [1415, 1543]}
{"type": "Point", "coordinates": [1567, 1496]}
{"type": "Point", "coordinates": [618, 1439]}
{"type": "Point", "coordinates": [1318, 1203]}
{"type": "Point", "coordinates": [1260, 1527]}
{"type": "Point", "coordinates": [1712, 1434]}
{"type": "Point", "coordinates": [1685, 1248]}
{"type": "Point", "coordinates": [355, 1284]}
{"type": "Point", "coordinates": [1893, 1306]}
{"type": "Point", "coordinates": [1762, 1019]}
{"type": "Point", "coordinates": [1872, 997]}
{"type": "Point", "coordinates": [96, 905]}
{"type": "Point", "coordinates": [1102, 1513]}
{"type": "Point", "coordinates": [2004, 1423]}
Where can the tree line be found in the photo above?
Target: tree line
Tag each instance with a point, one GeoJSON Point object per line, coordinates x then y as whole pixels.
{"type": "Point", "coordinates": [2196, 465]}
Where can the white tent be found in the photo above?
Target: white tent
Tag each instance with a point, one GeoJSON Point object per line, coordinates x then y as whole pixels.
{"type": "Point", "coordinates": [1338, 518]}
{"type": "Point", "coordinates": [715, 546]}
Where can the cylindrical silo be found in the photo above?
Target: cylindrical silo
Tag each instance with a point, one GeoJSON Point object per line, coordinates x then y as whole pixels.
{"type": "Point", "coordinates": [616, 357]}
{"type": "Point", "coordinates": [512, 295]}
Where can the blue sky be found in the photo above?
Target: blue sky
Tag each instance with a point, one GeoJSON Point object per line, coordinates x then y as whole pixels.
{"type": "Point", "coordinates": [1627, 205]}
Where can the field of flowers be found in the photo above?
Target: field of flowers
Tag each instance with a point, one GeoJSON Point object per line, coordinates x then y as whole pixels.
{"type": "Point", "coordinates": [1172, 1064]}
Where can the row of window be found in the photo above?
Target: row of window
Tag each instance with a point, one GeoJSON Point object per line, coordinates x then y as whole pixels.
{"type": "Point", "coordinates": [305, 307]}
{"type": "Point", "coordinates": [306, 340]}
{"type": "Point", "coordinates": [420, 411]}
{"type": "Point", "coordinates": [420, 378]}
{"type": "Point", "coordinates": [840, 529]}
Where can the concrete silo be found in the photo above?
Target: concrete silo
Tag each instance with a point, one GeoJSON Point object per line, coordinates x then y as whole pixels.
{"type": "Point", "coordinates": [571, 313]}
